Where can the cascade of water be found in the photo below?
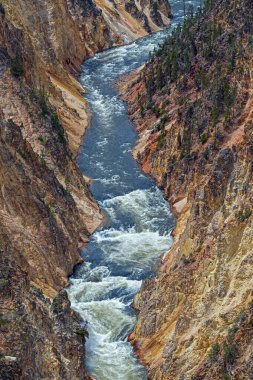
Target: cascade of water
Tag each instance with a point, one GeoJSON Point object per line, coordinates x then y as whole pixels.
{"type": "Point", "coordinates": [139, 221]}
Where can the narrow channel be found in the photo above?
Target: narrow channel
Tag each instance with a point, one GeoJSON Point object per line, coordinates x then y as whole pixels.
{"type": "Point", "coordinates": [138, 227]}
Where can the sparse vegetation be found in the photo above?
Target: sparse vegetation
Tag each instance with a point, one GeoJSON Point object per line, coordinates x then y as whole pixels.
{"type": "Point", "coordinates": [230, 350]}
{"type": "Point", "coordinates": [82, 332]}
{"type": "Point", "coordinates": [243, 215]}
{"type": "Point", "coordinates": [204, 60]}
{"type": "Point", "coordinates": [200, 78]}
{"type": "Point", "coordinates": [53, 208]}
{"type": "Point", "coordinates": [55, 121]}
{"type": "Point", "coordinates": [42, 101]}
{"type": "Point", "coordinates": [213, 355]}
{"type": "Point", "coordinates": [206, 153]}
{"type": "Point", "coordinates": [62, 135]}
{"type": "Point", "coordinates": [43, 140]}
{"type": "Point", "coordinates": [17, 69]}
{"type": "Point", "coordinates": [3, 322]}
{"type": "Point", "coordinates": [203, 138]}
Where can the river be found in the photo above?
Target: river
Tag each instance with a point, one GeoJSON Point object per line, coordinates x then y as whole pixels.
{"type": "Point", "coordinates": [138, 226]}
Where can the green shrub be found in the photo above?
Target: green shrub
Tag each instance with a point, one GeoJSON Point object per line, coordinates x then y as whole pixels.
{"type": "Point", "coordinates": [42, 101]}
{"type": "Point", "coordinates": [82, 332]}
{"type": "Point", "coordinates": [230, 350]}
{"type": "Point", "coordinates": [17, 69]}
{"type": "Point", "coordinates": [62, 136]}
{"type": "Point", "coordinates": [3, 322]}
{"type": "Point", "coordinates": [156, 111]}
{"type": "Point", "coordinates": [166, 102]}
{"type": "Point", "coordinates": [206, 153]}
{"type": "Point", "coordinates": [204, 138]}
{"type": "Point", "coordinates": [213, 355]}
{"type": "Point", "coordinates": [160, 139]}
{"type": "Point", "coordinates": [243, 215]}
{"type": "Point", "coordinates": [55, 121]}
{"type": "Point", "coordinates": [32, 96]}
{"type": "Point", "coordinates": [43, 140]}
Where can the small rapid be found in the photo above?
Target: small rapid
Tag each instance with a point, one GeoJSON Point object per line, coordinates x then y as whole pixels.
{"type": "Point", "coordinates": [138, 225]}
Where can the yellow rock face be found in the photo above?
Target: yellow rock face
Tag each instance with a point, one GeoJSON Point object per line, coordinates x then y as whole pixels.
{"type": "Point", "coordinates": [195, 317]}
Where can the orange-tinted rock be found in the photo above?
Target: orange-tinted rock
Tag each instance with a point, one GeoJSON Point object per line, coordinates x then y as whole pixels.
{"type": "Point", "coordinates": [202, 295]}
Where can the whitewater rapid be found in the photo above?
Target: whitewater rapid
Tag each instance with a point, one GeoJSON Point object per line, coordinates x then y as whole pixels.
{"type": "Point", "coordinates": [138, 226]}
{"type": "Point", "coordinates": [103, 288]}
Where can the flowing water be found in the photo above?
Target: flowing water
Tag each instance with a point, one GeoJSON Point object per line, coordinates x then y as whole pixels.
{"type": "Point", "coordinates": [137, 230]}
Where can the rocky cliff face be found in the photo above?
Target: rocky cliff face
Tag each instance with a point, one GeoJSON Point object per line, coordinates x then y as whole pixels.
{"type": "Point", "coordinates": [46, 214]}
{"type": "Point", "coordinates": [133, 18]}
{"type": "Point", "coordinates": [192, 105]}
{"type": "Point", "coordinates": [46, 211]}
{"type": "Point", "coordinates": [39, 339]}
{"type": "Point", "coordinates": [51, 39]}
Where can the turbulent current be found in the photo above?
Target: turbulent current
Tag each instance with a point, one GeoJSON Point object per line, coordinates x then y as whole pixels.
{"type": "Point", "coordinates": [137, 230]}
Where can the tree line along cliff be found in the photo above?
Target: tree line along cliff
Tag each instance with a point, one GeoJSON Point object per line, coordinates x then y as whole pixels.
{"type": "Point", "coordinates": [46, 210]}
{"type": "Point", "coordinates": [192, 106]}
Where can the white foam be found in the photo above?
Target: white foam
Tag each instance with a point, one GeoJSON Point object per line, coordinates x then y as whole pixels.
{"type": "Point", "coordinates": [85, 291]}
{"type": "Point", "coordinates": [102, 142]}
{"type": "Point", "coordinates": [109, 356]}
{"type": "Point", "coordinates": [115, 179]}
{"type": "Point", "coordinates": [92, 275]}
{"type": "Point", "coordinates": [147, 207]}
{"type": "Point", "coordinates": [131, 248]}
{"type": "Point", "coordinates": [127, 147]}
{"type": "Point", "coordinates": [99, 165]}
{"type": "Point", "coordinates": [115, 359]}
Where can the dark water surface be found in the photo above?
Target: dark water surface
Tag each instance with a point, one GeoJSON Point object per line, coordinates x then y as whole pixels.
{"type": "Point", "coordinates": [137, 232]}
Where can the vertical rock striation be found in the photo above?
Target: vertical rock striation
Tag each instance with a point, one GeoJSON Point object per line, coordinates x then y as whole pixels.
{"type": "Point", "coordinates": [192, 105]}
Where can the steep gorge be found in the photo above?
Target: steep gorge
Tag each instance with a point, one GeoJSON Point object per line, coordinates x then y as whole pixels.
{"type": "Point", "coordinates": [192, 106]}
{"type": "Point", "coordinates": [46, 209]}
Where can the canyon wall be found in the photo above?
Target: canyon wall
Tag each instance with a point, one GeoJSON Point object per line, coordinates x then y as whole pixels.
{"type": "Point", "coordinates": [192, 105]}
{"type": "Point", "coordinates": [51, 39]}
{"type": "Point", "coordinates": [46, 210]}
